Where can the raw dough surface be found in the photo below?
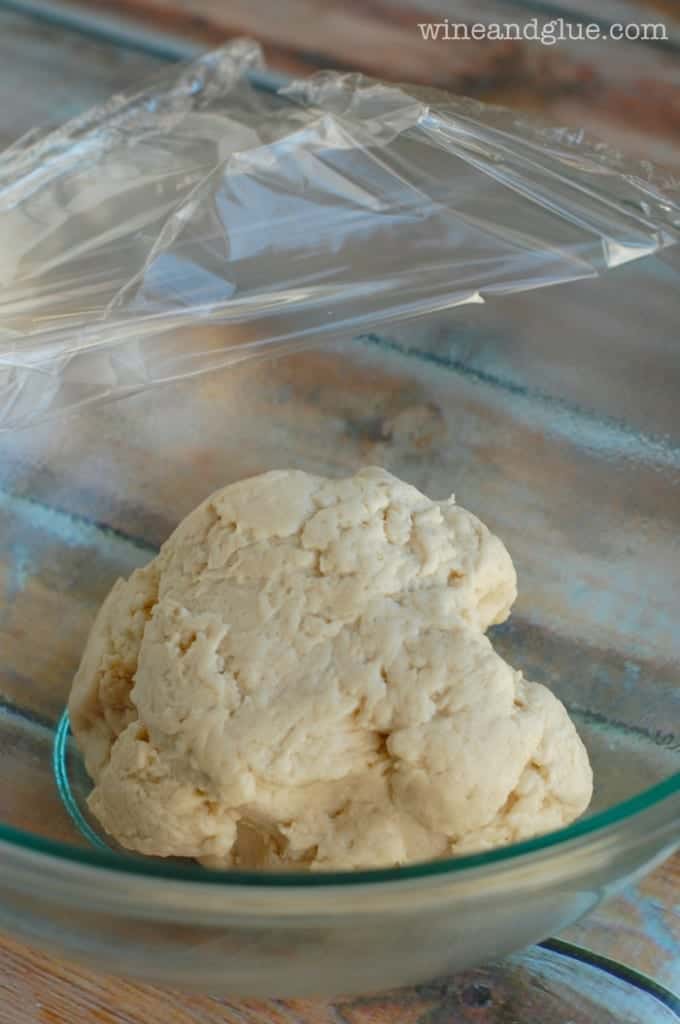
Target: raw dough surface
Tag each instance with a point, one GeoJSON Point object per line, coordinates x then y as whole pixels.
{"type": "Point", "coordinates": [301, 678]}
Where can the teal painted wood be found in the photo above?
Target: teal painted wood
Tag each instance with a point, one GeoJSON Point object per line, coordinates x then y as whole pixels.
{"type": "Point", "coordinates": [48, 74]}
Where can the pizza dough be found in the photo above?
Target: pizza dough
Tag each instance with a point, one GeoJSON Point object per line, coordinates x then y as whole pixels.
{"type": "Point", "coordinates": [301, 679]}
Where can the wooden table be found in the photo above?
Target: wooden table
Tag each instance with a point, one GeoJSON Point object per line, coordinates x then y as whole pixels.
{"type": "Point", "coordinates": [624, 92]}
{"type": "Point", "coordinates": [48, 74]}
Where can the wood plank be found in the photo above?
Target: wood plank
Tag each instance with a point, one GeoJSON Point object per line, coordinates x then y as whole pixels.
{"type": "Point", "coordinates": [130, 470]}
{"type": "Point", "coordinates": [528, 466]}
{"type": "Point", "coordinates": [55, 75]}
{"type": "Point", "coordinates": [40, 989]}
{"type": "Point", "coordinates": [341, 408]}
{"type": "Point", "coordinates": [83, 484]}
{"type": "Point", "coordinates": [48, 76]}
{"type": "Point", "coordinates": [31, 802]}
{"type": "Point", "coordinates": [54, 571]}
{"type": "Point", "coordinates": [630, 86]}
{"type": "Point", "coordinates": [624, 92]}
{"type": "Point", "coordinates": [641, 927]}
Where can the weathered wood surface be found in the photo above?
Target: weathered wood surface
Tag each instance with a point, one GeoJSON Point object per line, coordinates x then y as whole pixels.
{"type": "Point", "coordinates": [47, 75]}
{"type": "Point", "coordinates": [626, 92]}
{"type": "Point", "coordinates": [337, 413]}
{"type": "Point", "coordinates": [43, 990]}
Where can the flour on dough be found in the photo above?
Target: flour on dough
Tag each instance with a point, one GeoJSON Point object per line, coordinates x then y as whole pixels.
{"type": "Point", "coordinates": [301, 678]}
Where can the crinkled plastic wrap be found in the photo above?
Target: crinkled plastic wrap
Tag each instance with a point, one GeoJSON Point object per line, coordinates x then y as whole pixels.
{"type": "Point", "coordinates": [270, 217]}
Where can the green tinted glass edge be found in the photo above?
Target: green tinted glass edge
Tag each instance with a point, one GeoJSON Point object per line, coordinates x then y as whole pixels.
{"type": "Point", "coordinates": [101, 858]}
{"type": "Point", "coordinates": [621, 971]}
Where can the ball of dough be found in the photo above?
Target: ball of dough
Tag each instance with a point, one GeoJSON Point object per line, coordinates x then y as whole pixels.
{"type": "Point", "coordinates": [301, 678]}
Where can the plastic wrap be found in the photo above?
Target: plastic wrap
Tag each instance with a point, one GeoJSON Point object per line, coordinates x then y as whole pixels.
{"type": "Point", "coordinates": [266, 218]}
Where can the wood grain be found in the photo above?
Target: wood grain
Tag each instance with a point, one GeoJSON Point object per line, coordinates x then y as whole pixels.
{"type": "Point", "coordinates": [626, 93]}
{"type": "Point", "coordinates": [641, 927]}
{"type": "Point", "coordinates": [337, 410]}
{"type": "Point", "coordinates": [47, 75]}
{"type": "Point", "coordinates": [36, 988]}
{"type": "Point", "coordinates": [628, 89]}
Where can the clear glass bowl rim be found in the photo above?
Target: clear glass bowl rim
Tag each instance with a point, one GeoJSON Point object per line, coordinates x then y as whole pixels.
{"type": "Point", "coordinates": [619, 814]}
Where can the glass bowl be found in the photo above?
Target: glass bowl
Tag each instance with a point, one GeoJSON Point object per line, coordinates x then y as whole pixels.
{"type": "Point", "coordinates": [555, 418]}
